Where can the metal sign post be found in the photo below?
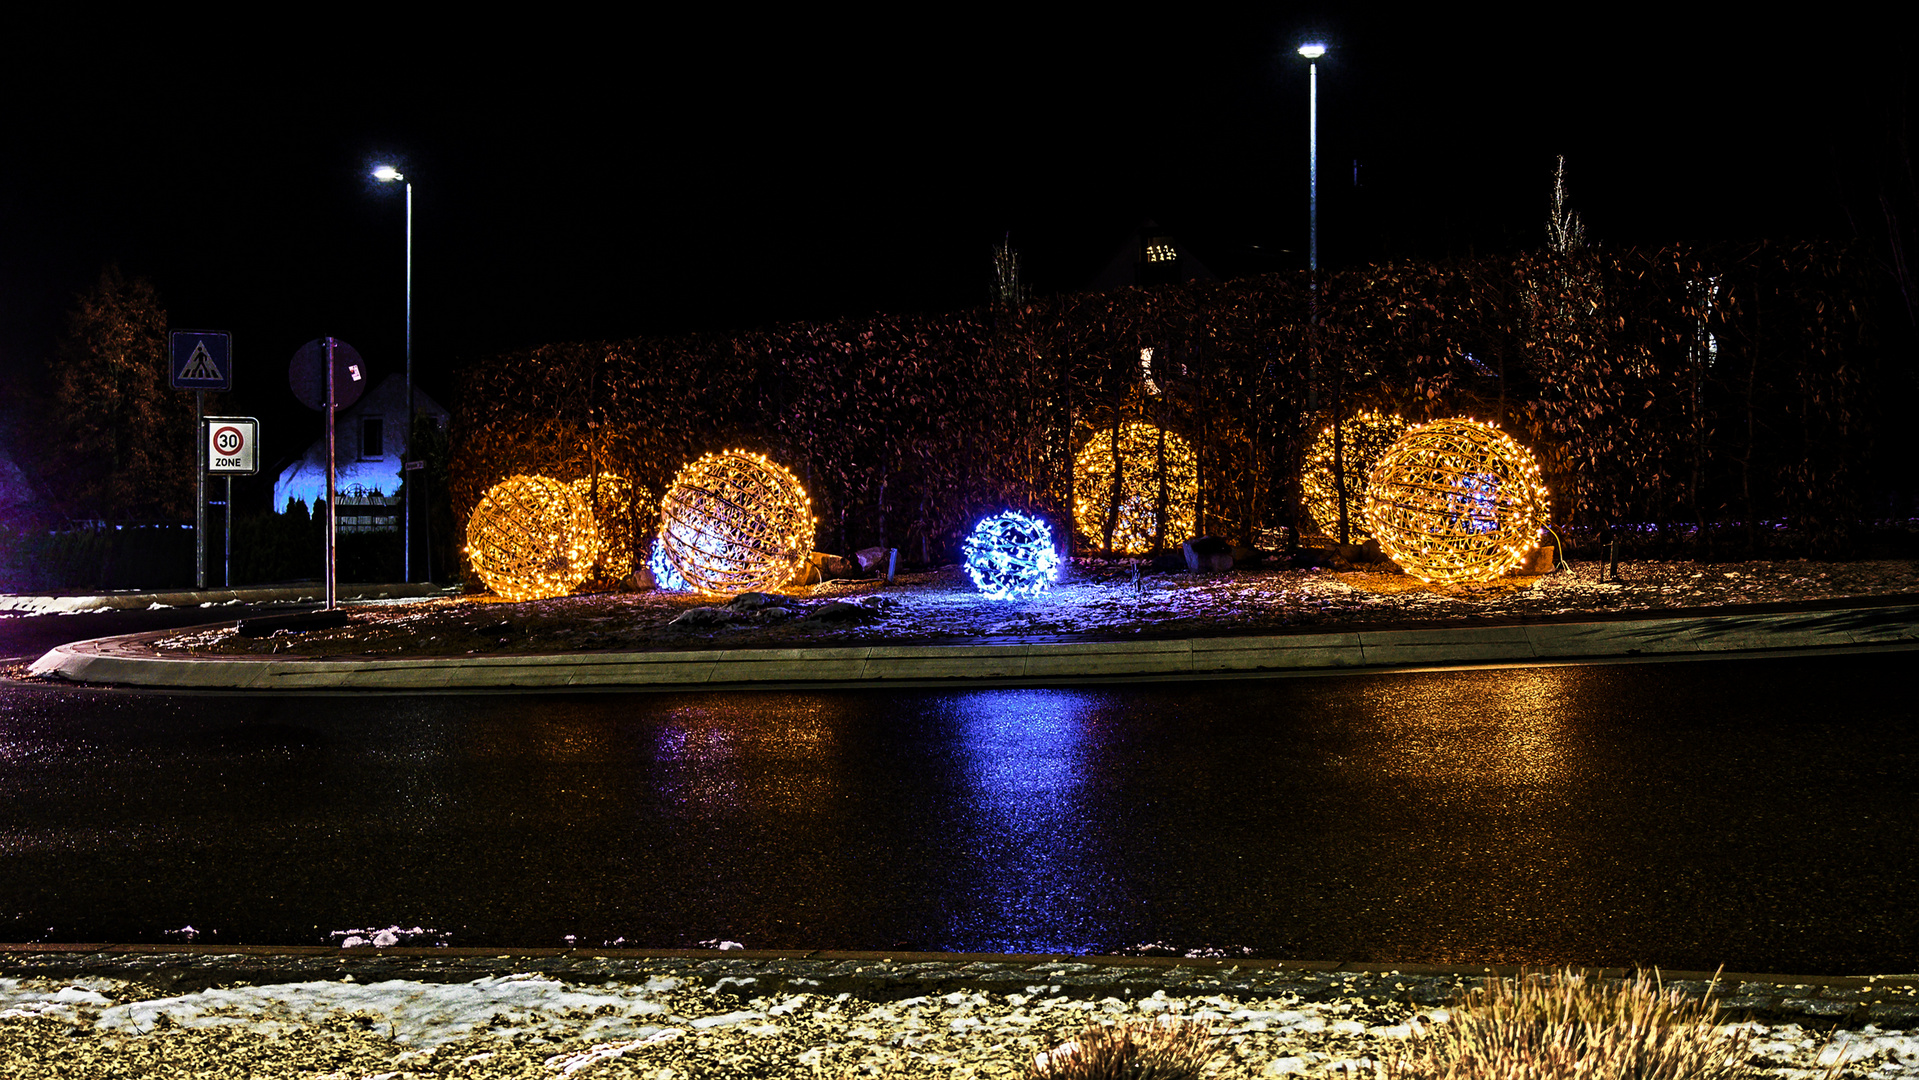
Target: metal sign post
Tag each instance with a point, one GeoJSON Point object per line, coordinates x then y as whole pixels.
{"type": "Point", "coordinates": [230, 446]}
{"type": "Point", "coordinates": [199, 495]}
{"type": "Point", "coordinates": [328, 375]}
{"type": "Point", "coordinates": [201, 360]}
{"type": "Point", "coordinates": [332, 498]}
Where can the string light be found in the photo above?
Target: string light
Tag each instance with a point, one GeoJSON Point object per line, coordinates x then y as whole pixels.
{"type": "Point", "coordinates": [1456, 500]}
{"type": "Point", "coordinates": [1365, 437]}
{"type": "Point", "coordinates": [531, 538]}
{"type": "Point", "coordinates": [613, 516]}
{"type": "Point", "coordinates": [1011, 556]}
{"type": "Point", "coordinates": [734, 522]}
{"type": "Point", "coordinates": [1138, 520]}
{"type": "Point", "coordinates": [665, 577]}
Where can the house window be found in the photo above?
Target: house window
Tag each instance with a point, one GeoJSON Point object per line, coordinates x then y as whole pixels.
{"type": "Point", "coordinates": [372, 448]}
{"type": "Point", "coordinates": [1160, 249]}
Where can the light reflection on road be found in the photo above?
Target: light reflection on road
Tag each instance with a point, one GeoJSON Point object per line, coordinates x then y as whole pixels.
{"type": "Point", "coordinates": [1756, 813]}
{"type": "Point", "coordinates": [1026, 825]}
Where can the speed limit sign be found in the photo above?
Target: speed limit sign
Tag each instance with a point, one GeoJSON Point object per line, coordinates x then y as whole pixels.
{"type": "Point", "coordinates": [233, 445]}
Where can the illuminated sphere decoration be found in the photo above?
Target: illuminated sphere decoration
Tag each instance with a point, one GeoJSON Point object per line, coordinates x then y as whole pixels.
{"type": "Point", "coordinates": [613, 516]}
{"type": "Point", "coordinates": [665, 577]}
{"type": "Point", "coordinates": [1136, 526]}
{"type": "Point", "coordinates": [1011, 556]}
{"type": "Point", "coordinates": [735, 522]}
{"type": "Point", "coordinates": [532, 538]}
{"type": "Point", "coordinates": [1365, 437]}
{"type": "Point", "coordinates": [1456, 500]}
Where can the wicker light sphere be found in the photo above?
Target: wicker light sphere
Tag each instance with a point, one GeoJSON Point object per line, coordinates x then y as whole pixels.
{"type": "Point", "coordinates": [1011, 556]}
{"type": "Point", "coordinates": [1139, 447]}
{"type": "Point", "coordinates": [734, 522]}
{"type": "Point", "coordinates": [1366, 436]}
{"type": "Point", "coordinates": [613, 515]}
{"type": "Point", "coordinates": [1456, 500]}
{"type": "Point", "coordinates": [532, 538]}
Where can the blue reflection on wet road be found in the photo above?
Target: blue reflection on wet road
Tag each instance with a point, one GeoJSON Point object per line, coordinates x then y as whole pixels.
{"type": "Point", "coordinates": [1030, 823]}
{"type": "Point", "coordinates": [1764, 814]}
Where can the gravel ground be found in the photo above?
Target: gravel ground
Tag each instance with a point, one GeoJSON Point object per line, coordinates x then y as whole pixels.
{"type": "Point", "coordinates": [668, 1028]}
{"type": "Point", "coordinates": [1094, 600]}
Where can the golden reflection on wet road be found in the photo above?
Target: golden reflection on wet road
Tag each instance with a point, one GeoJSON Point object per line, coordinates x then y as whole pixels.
{"type": "Point", "coordinates": [1761, 814]}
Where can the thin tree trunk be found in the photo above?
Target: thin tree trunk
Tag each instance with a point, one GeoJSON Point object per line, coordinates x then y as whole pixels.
{"type": "Point", "coordinates": [1119, 484]}
{"type": "Point", "coordinates": [1160, 507]}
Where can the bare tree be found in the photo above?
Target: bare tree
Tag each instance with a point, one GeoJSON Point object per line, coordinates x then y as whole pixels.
{"type": "Point", "coordinates": [1564, 231]}
{"type": "Point", "coordinates": [1007, 287]}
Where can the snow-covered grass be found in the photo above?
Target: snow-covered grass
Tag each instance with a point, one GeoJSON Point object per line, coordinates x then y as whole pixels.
{"type": "Point", "coordinates": [527, 1025]}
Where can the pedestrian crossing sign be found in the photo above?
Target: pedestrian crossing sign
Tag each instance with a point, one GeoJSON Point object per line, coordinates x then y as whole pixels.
{"type": "Point", "coordinates": [202, 360]}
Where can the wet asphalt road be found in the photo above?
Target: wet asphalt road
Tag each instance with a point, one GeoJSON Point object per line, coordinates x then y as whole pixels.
{"type": "Point", "coordinates": [1763, 814]}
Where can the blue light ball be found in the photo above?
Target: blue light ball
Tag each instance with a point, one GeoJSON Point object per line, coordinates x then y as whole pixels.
{"type": "Point", "coordinates": [1011, 556]}
{"type": "Point", "coordinates": [666, 577]}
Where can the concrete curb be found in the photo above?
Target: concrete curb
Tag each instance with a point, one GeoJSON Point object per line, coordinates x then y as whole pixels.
{"type": "Point", "coordinates": [306, 592]}
{"type": "Point", "coordinates": [129, 661]}
{"type": "Point", "coordinates": [1882, 999]}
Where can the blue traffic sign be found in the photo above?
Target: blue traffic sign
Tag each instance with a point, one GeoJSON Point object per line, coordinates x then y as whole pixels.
{"type": "Point", "coordinates": [202, 360]}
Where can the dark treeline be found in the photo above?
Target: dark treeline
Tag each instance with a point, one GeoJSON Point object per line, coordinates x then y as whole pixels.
{"type": "Point", "coordinates": [1698, 391]}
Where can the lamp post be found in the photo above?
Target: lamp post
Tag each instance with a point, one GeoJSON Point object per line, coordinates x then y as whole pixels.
{"type": "Point", "coordinates": [387, 174]}
{"type": "Point", "coordinates": [1312, 51]}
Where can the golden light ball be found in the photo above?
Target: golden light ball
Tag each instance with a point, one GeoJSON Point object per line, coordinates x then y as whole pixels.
{"type": "Point", "coordinates": [1365, 437]}
{"type": "Point", "coordinates": [1138, 520]}
{"type": "Point", "coordinates": [532, 538]}
{"type": "Point", "coordinates": [1456, 500]}
{"type": "Point", "coordinates": [736, 522]}
{"type": "Point", "coordinates": [614, 501]}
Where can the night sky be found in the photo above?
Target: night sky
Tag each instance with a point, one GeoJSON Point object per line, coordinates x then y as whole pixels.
{"type": "Point", "coordinates": [591, 182]}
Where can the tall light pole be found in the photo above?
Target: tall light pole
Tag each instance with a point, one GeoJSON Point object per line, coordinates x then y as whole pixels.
{"type": "Point", "coordinates": [1312, 51]}
{"type": "Point", "coordinates": [387, 174]}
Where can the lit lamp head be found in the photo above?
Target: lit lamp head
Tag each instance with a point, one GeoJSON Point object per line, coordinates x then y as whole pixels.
{"type": "Point", "coordinates": [1312, 50]}
{"type": "Point", "coordinates": [387, 174]}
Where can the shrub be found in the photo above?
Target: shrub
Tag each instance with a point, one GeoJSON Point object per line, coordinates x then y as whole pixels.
{"type": "Point", "coordinates": [1563, 1025]}
{"type": "Point", "coordinates": [1169, 1048]}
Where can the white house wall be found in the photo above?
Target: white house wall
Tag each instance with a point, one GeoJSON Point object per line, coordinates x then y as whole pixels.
{"type": "Point", "coordinates": [305, 479]}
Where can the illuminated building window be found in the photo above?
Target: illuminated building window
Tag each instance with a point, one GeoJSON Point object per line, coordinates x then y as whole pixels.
{"type": "Point", "coordinates": [1159, 249]}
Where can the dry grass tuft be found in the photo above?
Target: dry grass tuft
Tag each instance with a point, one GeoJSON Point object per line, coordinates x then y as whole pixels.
{"type": "Point", "coordinates": [1564, 1026]}
{"type": "Point", "coordinates": [1169, 1048]}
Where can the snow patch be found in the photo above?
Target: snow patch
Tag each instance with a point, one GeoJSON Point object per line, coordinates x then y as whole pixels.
{"type": "Point", "coordinates": [421, 1015]}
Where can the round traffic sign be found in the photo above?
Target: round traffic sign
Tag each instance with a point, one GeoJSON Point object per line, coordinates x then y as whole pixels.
{"type": "Point", "coordinates": [307, 374]}
{"type": "Point", "coordinates": [228, 440]}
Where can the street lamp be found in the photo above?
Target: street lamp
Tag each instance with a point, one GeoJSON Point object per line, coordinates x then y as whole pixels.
{"type": "Point", "coordinates": [387, 174]}
{"type": "Point", "coordinates": [1312, 51]}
